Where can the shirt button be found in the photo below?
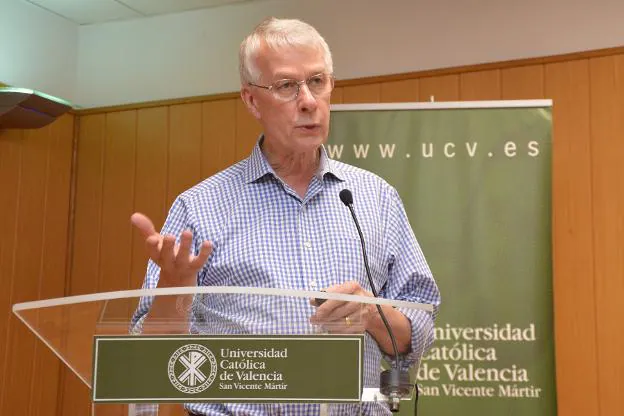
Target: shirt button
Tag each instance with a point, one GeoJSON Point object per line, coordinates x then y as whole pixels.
{"type": "Point", "coordinates": [307, 244]}
{"type": "Point", "coordinates": [312, 284]}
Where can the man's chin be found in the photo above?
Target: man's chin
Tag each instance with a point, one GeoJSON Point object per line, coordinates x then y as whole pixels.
{"type": "Point", "coordinates": [313, 142]}
{"type": "Point", "coordinates": [310, 136]}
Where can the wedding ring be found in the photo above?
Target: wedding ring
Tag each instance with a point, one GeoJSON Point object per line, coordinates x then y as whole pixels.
{"type": "Point", "coordinates": [348, 321]}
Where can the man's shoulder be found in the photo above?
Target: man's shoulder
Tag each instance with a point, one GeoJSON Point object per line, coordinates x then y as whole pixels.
{"type": "Point", "coordinates": [367, 187]}
{"type": "Point", "coordinates": [357, 175]}
{"type": "Point", "coordinates": [224, 183]}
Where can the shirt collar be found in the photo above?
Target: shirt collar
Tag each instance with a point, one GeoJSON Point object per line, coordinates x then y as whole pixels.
{"type": "Point", "coordinates": [329, 166]}
{"type": "Point", "coordinates": [258, 166]}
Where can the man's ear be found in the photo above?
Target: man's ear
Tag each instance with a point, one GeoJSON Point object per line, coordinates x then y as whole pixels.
{"type": "Point", "coordinates": [250, 102]}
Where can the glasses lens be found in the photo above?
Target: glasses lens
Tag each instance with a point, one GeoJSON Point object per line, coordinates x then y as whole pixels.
{"type": "Point", "coordinates": [286, 89]}
{"type": "Point", "coordinates": [320, 84]}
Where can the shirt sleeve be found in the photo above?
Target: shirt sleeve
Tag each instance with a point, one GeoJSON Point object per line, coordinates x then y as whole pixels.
{"type": "Point", "coordinates": [409, 279]}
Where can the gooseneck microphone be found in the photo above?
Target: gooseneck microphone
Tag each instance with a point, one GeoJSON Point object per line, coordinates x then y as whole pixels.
{"type": "Point", "coordinates": [394, 383]}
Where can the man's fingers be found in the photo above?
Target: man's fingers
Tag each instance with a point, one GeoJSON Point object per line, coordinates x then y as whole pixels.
{"type": "Point", "coordinates": [153, 245]}
{"type": "Point", "coordinates": [339, 310]}
{"type": "Point", "coordinates": [143, 224]}
{"type": "Point", "coordinates": [204, 252]}
{"type": "Point", "coordinates": [153, 240]}
{"type": "Point", "coordinates": [351, 288]}
{"type": "Point", "coordinates": [328, 307]}
{"type": "Point", "coordinates": [183, 252]}
{"type": "Point", "coordinates": [347, 309]}
{"type": "Point", "coordinates": [167, 255]}
{"type": "Point", "coordinates": [348, 324]}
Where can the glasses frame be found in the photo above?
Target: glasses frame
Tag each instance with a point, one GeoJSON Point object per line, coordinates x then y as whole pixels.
{"type": "Point", "coordinates": [271, 87]}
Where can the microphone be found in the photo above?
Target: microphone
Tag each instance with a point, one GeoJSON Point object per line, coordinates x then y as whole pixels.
{"type": "Point", "coordinates": [394, 383]}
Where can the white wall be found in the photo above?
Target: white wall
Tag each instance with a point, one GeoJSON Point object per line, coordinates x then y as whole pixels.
{"type": "Point", "coordinates": [195, 53]}
{"type": "Point", "coordinates": [38, 50]}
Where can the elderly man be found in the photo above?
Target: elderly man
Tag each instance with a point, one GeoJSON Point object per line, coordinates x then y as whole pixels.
{"type": "Point", "coordinates": [275, 218]}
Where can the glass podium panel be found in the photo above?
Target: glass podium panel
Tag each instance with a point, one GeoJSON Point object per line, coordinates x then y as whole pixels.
{"type": "Point", "coordinates": [287, 346]}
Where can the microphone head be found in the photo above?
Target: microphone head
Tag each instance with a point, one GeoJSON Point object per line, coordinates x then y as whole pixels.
{"type": "Point", "coordinates": [346, 197]}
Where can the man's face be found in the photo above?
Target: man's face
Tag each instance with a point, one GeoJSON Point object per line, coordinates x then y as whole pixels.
{"type": "Point", "coordinates": [291, 127]}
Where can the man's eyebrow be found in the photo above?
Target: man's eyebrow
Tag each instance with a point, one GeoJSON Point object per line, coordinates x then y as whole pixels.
{"type": "Point", "coordinates": [287, 75]}
{"type": "Point", "coordinates": [283, 75]}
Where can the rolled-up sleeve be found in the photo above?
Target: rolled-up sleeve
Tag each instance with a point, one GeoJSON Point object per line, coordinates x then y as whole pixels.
{"type": "Point", "coordinates": [409, 278]}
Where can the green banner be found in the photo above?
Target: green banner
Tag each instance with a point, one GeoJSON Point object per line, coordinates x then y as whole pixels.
{"type": "Point", "coordinates": [157, 369]}
{"type": "Point", "coordinates": [476, 184]}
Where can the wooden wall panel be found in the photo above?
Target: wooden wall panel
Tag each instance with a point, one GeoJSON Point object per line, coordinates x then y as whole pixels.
{"type": "Point", "coordinates": [248, 130]}
{"type": "Point", "coordinates": [575, 326]}
{"type": "Point", "coordinates": [439, 88]}
{"type": "Point", "coordinates": [118, 192]}
{"type": "Point", "coordinates": [28, 260]}
{"type": "Point", "coordinates": [185, 130]}
{"type": "Point", "coordinates": [367, 93]}
{"type": "Point", "coordinates": [399, 91]}
{"type": "Point", "coordinates": [30, 222]}
{"type": "Point", "coordinates": [218, 136]}
{"type": "Point", "coordinates": [150, 180]}
{"type": "Point", "coordinates": [480, 85]}
{"type": "Point", "coordinates": [85, 270]}
{"type": "Point", "coordinates": [47, 368]}
{"type": "Point", "coordinates": [522, 83]}
{"type": "Point", "coordinates": [35, 168]}
{"type": "Point", "coordinates": [607, 152]}
{"type": "Point", "coordinates": [75, 397]}
{"type": "Point", "coordinates": [336, 96]}
{"type": "Point", "coordinates": [150, 185]}
{"type": "Point", "coordinates": [117, 201]}
{"type": "Point", "coordinates": [11, 150]}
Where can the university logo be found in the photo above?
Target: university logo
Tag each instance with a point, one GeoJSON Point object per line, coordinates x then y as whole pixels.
{"type": "Point", "coordinates": [192, 368]}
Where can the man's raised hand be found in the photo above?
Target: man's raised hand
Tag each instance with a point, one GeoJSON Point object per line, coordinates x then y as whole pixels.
{"type": "Point", "coordinates": [178, 265]}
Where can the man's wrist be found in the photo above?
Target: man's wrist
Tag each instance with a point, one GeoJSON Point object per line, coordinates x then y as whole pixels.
{"type": "Point", "coordinates": [399, 324]}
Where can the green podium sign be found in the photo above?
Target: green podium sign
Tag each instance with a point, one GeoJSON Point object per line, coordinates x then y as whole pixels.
{"type": "Point", "coordinates": [232, 368]}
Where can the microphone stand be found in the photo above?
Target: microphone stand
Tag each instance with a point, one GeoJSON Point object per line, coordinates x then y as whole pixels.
{"type": "Point", "coordinates": [394, 383]}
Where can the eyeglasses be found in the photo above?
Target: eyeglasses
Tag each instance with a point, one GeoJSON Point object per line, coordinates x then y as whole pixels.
{"type": "Point", "coordinates": [288, 89]}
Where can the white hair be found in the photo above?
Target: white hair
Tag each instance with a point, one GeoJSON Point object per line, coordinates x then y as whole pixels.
{"type": "Point", "coordinates": [279, 33]}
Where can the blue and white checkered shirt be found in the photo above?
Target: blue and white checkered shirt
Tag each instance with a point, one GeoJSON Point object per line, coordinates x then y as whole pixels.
{"type": "Point", "coordinates": [265, 235]}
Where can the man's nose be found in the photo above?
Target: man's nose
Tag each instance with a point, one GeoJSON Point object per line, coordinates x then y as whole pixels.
{"type": "Point", "coordinates": [306, 101]}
